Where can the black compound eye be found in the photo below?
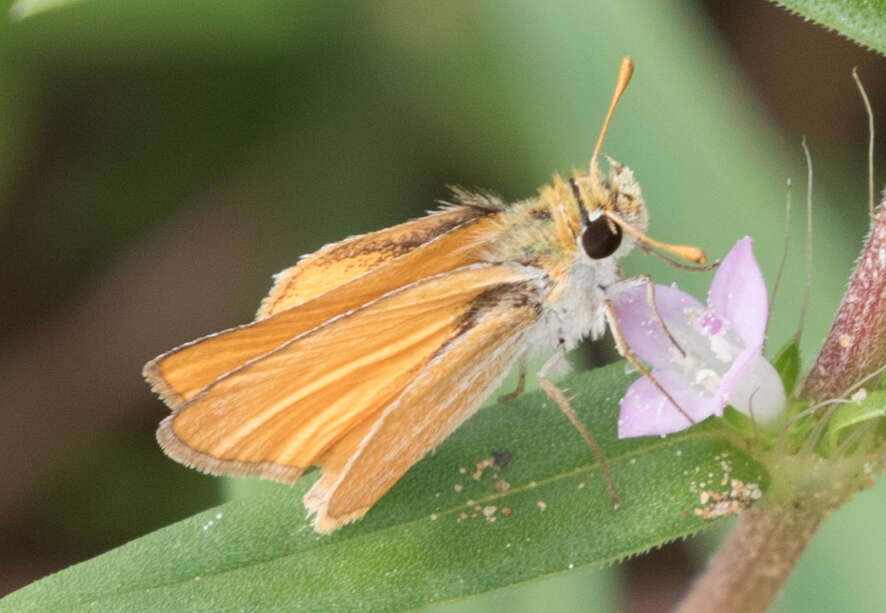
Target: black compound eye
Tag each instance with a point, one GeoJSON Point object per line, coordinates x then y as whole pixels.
{"type": "Point", "coordinates": [601, 238]}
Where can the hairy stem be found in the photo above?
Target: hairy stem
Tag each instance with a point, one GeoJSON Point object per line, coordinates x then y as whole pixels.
{"type": "Point", "coordinates": [856, 344]}
{"type": "Point", "coordinates": [753, 563]}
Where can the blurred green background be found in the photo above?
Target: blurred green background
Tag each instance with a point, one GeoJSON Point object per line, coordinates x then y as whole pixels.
{"type": "Point", "coordinates": [160, 160]}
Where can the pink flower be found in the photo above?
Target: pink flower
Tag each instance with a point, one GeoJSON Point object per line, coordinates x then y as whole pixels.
{"type": "Point", "coordinates": [714, 358]}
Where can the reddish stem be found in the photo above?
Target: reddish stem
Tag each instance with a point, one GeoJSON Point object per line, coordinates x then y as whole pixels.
{"type": "Point", "coordinates": [856, 344]}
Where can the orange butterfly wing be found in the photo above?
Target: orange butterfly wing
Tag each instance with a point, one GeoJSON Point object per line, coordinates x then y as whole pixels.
{"type": "Point", "coordinates": [362, 467]}
{"type": "Point", "coordinates": [301, 403]}
{"type": "Point", "coordinates": [337, 263]}
{"type": "Point", "coordinates": [179, 374]}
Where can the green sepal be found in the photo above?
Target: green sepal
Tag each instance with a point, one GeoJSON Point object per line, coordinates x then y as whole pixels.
{"type": "Point", "coordinates": [787, 364]}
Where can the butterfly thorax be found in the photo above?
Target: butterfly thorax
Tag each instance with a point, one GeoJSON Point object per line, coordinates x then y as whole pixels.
{"type": "Point", "coordinates": [547, 231]}
{"type": "Point", "coordinates": [550, 233]}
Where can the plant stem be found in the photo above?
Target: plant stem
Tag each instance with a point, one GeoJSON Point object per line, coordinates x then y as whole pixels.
{"type": "Point", "coordinates": [856, 344]}
{"type": "Point", "coordinates": [753, 563]}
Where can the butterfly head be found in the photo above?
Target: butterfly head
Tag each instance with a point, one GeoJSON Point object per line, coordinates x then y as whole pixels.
{"type": "Point", "coordinates": [600, 202]}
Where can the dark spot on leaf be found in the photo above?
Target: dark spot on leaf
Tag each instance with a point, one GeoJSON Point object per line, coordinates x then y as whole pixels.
{"type": "Point", "coordinates": [501, 458]}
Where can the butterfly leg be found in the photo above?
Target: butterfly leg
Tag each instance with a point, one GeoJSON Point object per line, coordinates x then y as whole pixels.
{"type": "Point", "coordinates": [557, 395]}
{"type": "Point", "coordinates": [650, 300]}
{"type": "Point", "coordinates": [622, 346]}
{"type": "Point", "coordinates": [521, 382]}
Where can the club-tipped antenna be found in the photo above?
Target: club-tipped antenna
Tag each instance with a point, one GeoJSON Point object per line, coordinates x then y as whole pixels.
{"type": "Point", "coordinates": [684, 252]}
{"type": "Point", "coordinates": [625, 72]}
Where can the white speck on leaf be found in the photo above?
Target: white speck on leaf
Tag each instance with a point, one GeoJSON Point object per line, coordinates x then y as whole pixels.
{"type": "Point", "coordinates": [860, 395]}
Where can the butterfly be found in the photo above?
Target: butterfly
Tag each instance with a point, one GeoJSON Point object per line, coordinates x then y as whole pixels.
{"type": "Point", "coordinates": [369, 352]}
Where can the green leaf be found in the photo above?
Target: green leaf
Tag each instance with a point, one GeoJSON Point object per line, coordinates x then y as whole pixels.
{"type": "Point", "coordinates": [739, 422]}
{"type": "Point", "coordinates": [440, 534]}
{"type": "Point", "coordinates": [22, 9]}
{"type": "Point", "coordinates": [873, 406]}
{"type": "Point", "coordinates": [863, 21]}
{"type": "Point", "coordinates": [787, 364]}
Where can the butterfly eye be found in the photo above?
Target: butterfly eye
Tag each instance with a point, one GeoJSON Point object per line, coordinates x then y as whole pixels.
{"type": "Point", "coordinates": [601, 238]}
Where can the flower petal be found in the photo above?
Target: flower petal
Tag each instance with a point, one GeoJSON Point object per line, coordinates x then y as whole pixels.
{"type": "Point", "coordinates": [738, 293]}
{"type": "Point", "coordinates": [641, 327]}
{"type": "Point", "coordinates": [757, 391]}
{"type": "Point", "coordinates": [732, 379]}
{"type": "Point", "coordinates": [646, 411]}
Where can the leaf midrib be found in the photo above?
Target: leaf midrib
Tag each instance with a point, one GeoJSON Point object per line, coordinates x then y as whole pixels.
{"type": "Point", "coordinates": [348, 539]}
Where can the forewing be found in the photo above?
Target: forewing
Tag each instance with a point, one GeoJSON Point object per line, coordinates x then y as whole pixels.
{"type": "Point", "coordinates": [360, 468]}
{"type": "Point", "coordinates": [338, 263]}
{"type": "Point", "coordinates": [180, 374]}
{"type": "Point", "coordinates": [280, 413]}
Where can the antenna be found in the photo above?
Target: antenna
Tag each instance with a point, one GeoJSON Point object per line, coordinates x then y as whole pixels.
{"type": "Point", "coordinates": [625, 72]}
{"type": "Point", "coordinates": [686, 252]}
